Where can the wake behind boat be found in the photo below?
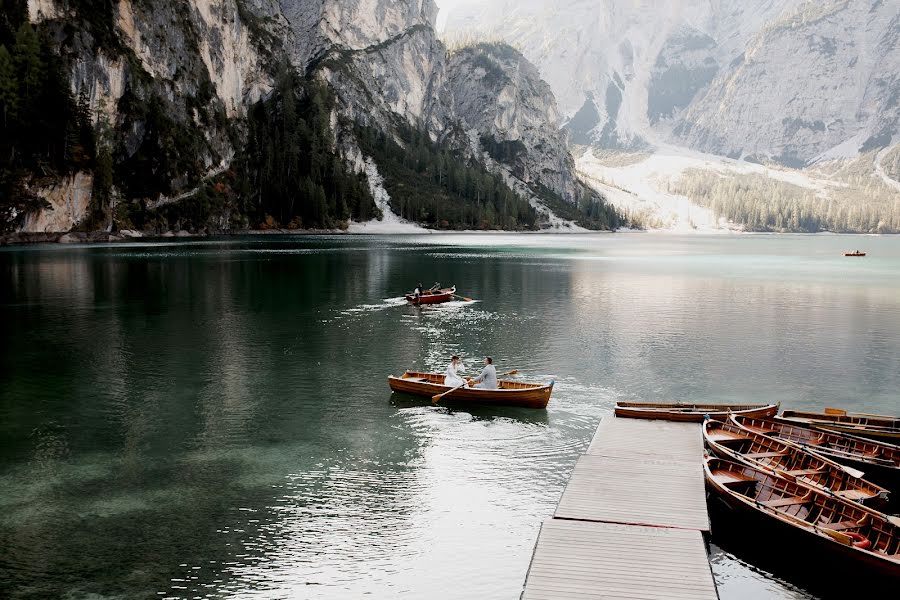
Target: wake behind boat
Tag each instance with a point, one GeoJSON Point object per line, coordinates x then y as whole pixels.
{"type": "Point", "coordinates": [510, 393]}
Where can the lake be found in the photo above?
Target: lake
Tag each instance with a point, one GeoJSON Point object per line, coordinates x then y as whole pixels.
{"type": "Point", "coordinates": [212, 418]}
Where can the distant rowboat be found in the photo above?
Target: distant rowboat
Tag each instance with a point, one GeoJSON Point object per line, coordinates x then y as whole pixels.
{"type": "Point", "coordinates": [854, 253]}
{"type": "Point", "coordinates": [510, 393]}
{"type": "Point", "coordinates": [692, 413]}
{"type": "Point", "coordinates": [432, 297]}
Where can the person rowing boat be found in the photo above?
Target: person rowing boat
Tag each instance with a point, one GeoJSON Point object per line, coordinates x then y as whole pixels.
{"type": "Point", "coordinates": [488, 378]}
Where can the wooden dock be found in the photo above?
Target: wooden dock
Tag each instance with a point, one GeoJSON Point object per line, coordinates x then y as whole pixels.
{"type": "Point", "coordinates": [631, 520]}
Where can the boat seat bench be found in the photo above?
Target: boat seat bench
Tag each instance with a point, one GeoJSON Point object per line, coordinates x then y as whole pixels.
{"type": "Point", "coordinates": [779, 502]}
{"type": "Point", "coordinates": [840, 525]}
{"type": "Point", "coordinates": [724, 436]}
{"type": "Point", "coordinates": [801, 472]}
{"type": "Point", "coordinates": [730, 478]}
{"type": "Point", "coordinates": [852, 494]}
{"type": "Point", "coordinates": [765, 455]}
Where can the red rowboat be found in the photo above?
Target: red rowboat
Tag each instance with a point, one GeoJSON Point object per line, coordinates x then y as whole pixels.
{"type": "Point", "coordinates": [432, 297]}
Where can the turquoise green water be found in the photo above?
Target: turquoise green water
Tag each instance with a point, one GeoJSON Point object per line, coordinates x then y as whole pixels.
{"type": "Point", "coordinates": [212, 419]}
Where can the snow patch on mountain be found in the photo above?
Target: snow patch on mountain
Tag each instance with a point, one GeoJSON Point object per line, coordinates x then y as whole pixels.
{"type": "Point", "coordinates": [639, 185]}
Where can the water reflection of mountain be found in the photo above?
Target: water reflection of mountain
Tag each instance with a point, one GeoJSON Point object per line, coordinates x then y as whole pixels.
{"type": "Point", "coordinates": [195, 420]}
{"type": "Point", "coordinates": [217, 414]}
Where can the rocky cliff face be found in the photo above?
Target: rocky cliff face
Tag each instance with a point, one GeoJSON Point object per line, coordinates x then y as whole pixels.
{"type": "Point", "coordinates": [167, 82]}
{"type": "Point", "coordinates": [171, 85]}
{"type": "Point", "coordinates": [821, 80]}
{"type": "Point", "coordinates": [791, 81]}
{"type": "Point", "coordinates": [617, 67]}
{"type": "Point", "coordinates": [502, 102]}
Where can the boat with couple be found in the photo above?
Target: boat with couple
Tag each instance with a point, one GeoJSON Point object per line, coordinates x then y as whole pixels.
{"type": "Point", "coordinates": [486, 388]}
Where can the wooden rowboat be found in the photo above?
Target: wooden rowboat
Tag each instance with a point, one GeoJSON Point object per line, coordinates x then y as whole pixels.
{"type": "Point", "coordinates": [877, 428]}
{"type": "Point", "coordinates": [790, 462]}
{"type": "Point", "coordinates": [432, 297]}
{"type": "Point", "coordinates": [824, 534]}
{"type": "Point", "coordinates": [510, 393]}
{"type": "Point", "coordinates": [880, 461]}
{"type": "Point", "coordinates": [692, 413]}
{"type": "Point", "coordinates": [855, 253]}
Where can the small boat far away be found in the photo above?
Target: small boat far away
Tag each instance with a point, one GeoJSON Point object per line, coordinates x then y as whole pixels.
{"type": "Point", "coordinates": [692, 413]}
{"type": "Point", "coordinates": [432, 296]}
{"type": "Point", "coordinates": [510, 393]}
{"type": "Point", "coordinates": [855, 253]}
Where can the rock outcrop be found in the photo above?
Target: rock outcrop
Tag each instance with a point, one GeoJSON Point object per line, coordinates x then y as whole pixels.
{"type": "Point", "coordinates": [502, 102]}
{"type": "Point", "coordinates": [68, 202]}
{"type": "Point", "coordinates": [822, 80]}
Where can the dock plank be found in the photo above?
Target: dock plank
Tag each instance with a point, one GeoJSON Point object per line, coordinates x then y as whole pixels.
{"type": "Point", "coordinates": [639, 491]}
{"type": "Point", "coordinates": [585, 560]}
{"type": "Point", "coordinates": [630, 522]}
{"type": "Point", "coordinates": [639, 437]}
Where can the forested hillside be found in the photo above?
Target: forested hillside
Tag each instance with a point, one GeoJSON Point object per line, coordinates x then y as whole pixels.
{"type": "Point", "coordinates": [764, 203]}
{"type": "Point", "coordinates": [44, 130]}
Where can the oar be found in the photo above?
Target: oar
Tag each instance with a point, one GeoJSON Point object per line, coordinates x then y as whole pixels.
{"type": "Point", "coordinates": [463, 298]}
{"type": "Point", "coordinates": [437, 397]}
{"type": "Point", "coordinates": [851, 471]}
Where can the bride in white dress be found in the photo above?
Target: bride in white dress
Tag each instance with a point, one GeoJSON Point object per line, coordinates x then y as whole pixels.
{"type": "Point", "coordinates": [453, 369]}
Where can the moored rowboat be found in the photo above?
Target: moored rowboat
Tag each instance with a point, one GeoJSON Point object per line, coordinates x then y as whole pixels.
{"type": "Point", "coordinates": [822, 533]}
{"type": "Point", "coordinates": [878, 428]}
{"type": "Point", "coordinates": [790, 461]}
{"type": "Point", "coordinates": [692, 413]}
{"type": "Point", "coordinates": [510, 393]}
{"type": "Point", "coordinates": [432, 297]}
{"type": "Point", "coordinates": [880, 461]}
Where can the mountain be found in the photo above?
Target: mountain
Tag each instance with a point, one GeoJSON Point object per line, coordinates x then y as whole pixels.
{"type": "Point", "coordinates": [235, 114]}
{"type": "Point", "coordinates": [799, 94]}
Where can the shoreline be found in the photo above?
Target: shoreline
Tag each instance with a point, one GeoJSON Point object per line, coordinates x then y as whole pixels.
{"type": "Point", "coordinates": [103, 237]}
{"type": "Point", "coordinates": [22, 238]}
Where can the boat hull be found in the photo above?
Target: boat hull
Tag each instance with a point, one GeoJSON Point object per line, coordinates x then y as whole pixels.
{"type": "Point", "coordinates": [512, 393]}
{"type": "Point", "coordinates": [885, 429]}
{"type": "Point", "coordinates": [880, 461]}
{"type": "Point", "coordinates": [794, 554]}
{"type": "Point", "coordinates": [691, 413]}
{"type": "Point", "coordinates": [789, 461]}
